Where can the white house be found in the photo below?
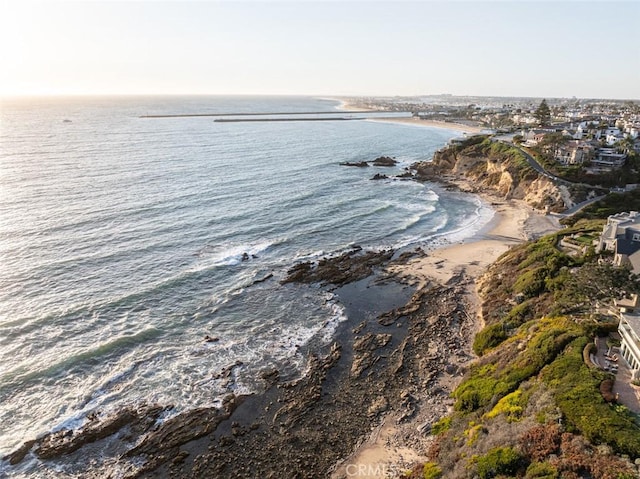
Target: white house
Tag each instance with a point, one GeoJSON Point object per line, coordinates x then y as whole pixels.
{"type": "Point", "coordinates": [621, 235]}
{"type": "Point", "coordinates": [629, 329]}
{"type": "Point", "coordinates": [612, 139]}
{"type": "Point", "coordinates": [586, 127]}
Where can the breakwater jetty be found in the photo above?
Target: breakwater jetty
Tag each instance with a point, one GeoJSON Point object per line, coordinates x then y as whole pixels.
{"type": "Point", "coordinates": [293, 118]}
{"type": "Point", "coordinates": [278, 113]}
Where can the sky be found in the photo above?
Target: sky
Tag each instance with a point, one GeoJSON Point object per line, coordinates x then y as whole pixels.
{"type": "Point", "coordinates": [585, 49]}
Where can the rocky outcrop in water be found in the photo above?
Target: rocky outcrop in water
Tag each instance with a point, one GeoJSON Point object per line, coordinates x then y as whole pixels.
{"type": "Point", "coordinates": [380, 161]}
{"type": "Point", "coordinates": [137, 420]}
{"type": "Point", "coordinates": [338, 270]}
{"type": "Point", "coordinates": [358, 164]}
{"type": "Point", "coordinates": [384, 161]}
{"type": "Point", "coordinates": [379, 176]}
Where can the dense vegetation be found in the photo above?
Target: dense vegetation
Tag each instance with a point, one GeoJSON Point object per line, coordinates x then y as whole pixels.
{"type": "Point", "coordinates": [530, 406]}
{"type": "Point", "coordinates": [609, 205]}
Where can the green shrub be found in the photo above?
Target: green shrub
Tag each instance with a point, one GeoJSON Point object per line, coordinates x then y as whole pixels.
{"type": "Point", "coordinates": [441, 425]}
{"type": "Point", "coordinates": [511, 406]}
{"type": "Point", "coordinates": [519, 314]}
{"type": "Point", "coordinates": [489, 338]}
{"type": "Point", "coordinates": [489, 383]}
{"type": "Point", "coordinates": [541, 470]}
{"type": "Point", "coordinates": [532, 282]}
{"type": "Point", "coordinates": [576, 389]}
{"type": "Point", "coordinates": [431, 471]}
{"type": "Point", "coordinates": [498, 461]}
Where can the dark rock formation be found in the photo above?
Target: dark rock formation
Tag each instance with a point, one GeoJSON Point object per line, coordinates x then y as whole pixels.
{"type": "Point", "coordinates": [262, 280]}
{"type": "Point", "coordinates": [384, 161]}
{"type": "Point", "coordinates": [359, 164]}
{"type": "Point", "coordinates": [378, 176]}
{"type": "Point", "coordinates": [66, 441]}
{"type": "Point", "coordinates": [406, 175]}
{"type": "Point", "coordinates": [339, 270]}
{"type": "Point", "coordinates": [163, 444]}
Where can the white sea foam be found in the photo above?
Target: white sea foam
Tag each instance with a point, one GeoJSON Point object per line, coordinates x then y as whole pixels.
{"type": "Point", "coordinates": [233, 254]}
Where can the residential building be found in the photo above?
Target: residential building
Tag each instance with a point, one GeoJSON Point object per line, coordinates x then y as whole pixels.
{"type": "Point", "coordinates": [629, 329]}
{"type": "Point", "coordinates": [621, 235]}
{"type": "Point", "coordinates": [608, 158]}
{"type": "Point", "coordinates": [533, 137]}
{"type": "Point", "coordinates": [574, 153]}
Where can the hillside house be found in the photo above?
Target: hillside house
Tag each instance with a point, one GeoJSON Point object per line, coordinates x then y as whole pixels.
{"type": "Point", "coordinates": [629, 329]}
{"type": "Point", "coordinates": [585, 130]}
{"type": "Point", "coordinates": [621, 235]}
{"type": "Point", "coordinates": [574, 152]}
{"type": "Point", "coordinates": [608, 158]}
{"type": "Point", "coordinates": [533, 137]}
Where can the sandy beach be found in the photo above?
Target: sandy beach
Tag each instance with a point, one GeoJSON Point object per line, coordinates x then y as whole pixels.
{"type": "Point", "coordinates": [448, 125]}
{"type": "Point", "coordinates": [513, 223]}
{"type": "Point", "coordinates": [393, 447]}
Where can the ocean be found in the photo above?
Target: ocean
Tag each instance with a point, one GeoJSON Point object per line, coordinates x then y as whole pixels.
{"type": "Point", "coordinates": [124, 241]}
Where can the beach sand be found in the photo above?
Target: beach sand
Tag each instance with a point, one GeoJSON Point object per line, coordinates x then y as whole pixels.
{"type": "Point", "coordinates": [394, 447]}
{"type": "Point", "coordinates": [448, 125]}
{"type": "Point", "coordinates": [513, 223]}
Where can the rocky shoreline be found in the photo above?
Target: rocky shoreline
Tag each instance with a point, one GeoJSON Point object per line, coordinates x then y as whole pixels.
{"type": "Point", "coordinates": [379, 387]}
{"type": "Point", "coordinates": [393, 358]}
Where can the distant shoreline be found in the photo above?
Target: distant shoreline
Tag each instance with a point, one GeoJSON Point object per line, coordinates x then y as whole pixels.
{"type": "Point", "coordinates": [461, 127]}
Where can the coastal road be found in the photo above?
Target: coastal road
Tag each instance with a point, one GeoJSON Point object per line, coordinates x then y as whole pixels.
{"type": "Point", "coordinates": [537, 166]}
{"type": "Point", "coordinates": [540, 169]}
{"type": "Point", "coordinates": [573, 210]}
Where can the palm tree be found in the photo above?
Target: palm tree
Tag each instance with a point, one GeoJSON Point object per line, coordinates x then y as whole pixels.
{"type": "Point", "coordinates": [626, 144]}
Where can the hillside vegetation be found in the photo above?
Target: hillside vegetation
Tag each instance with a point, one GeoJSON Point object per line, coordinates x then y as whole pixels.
{"type": "Point", "coordinates": [530, 406]}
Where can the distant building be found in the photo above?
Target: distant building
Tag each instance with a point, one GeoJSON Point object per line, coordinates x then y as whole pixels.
{"type": "Point", "coordinates": [608, 158]}
{"type": "Point", "coordinates": [574, 152]}
{"type": "Point", "coordinates": [533, 137]}
{"type": "Point", "coordinates": [621, 235]}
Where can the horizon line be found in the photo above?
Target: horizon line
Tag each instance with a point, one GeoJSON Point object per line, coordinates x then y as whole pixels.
{"type": "Point", "coordinates": [321, 96]}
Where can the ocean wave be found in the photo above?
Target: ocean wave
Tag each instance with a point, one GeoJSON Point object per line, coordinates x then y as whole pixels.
{"type": "Point", "coordinates": [21, 375]}
{"type": "Point", "coordinates": [230, 254]}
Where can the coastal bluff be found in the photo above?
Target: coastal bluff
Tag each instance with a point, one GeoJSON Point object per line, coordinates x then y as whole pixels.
{"type": "Point", "coordinates": [479, 165]}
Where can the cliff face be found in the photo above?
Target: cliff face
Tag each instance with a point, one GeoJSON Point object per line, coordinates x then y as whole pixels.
{"type": "Point", "coordinates": [495, 167]}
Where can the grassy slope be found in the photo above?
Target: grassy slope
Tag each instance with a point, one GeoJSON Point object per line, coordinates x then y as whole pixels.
{"type": "Point", "coordinates": [530, 406]}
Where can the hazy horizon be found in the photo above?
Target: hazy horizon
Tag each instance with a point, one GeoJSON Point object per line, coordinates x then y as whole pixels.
{"type": "Point", "coordinates": [284, 95]}
{"type": "Point", "coordinates": [362, 48]}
